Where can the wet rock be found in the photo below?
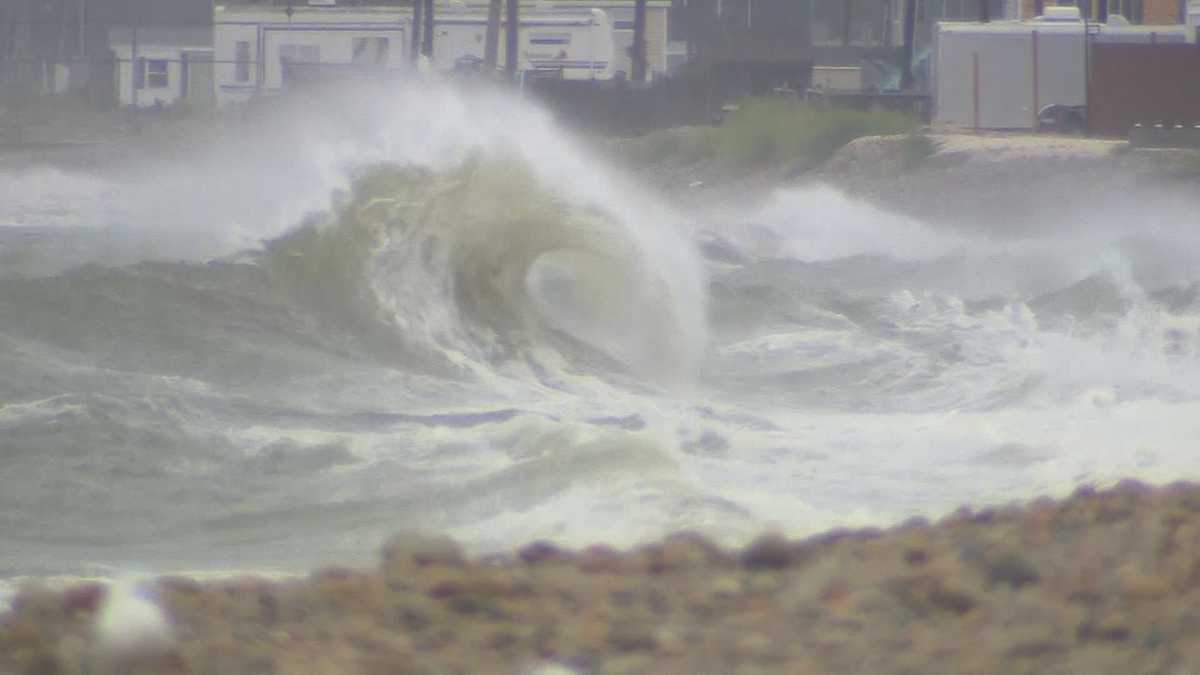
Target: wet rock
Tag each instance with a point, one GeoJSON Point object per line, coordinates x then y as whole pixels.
{"type": "Point", "coordinates": [688, 550]}
{"type": "Point", "coordinates": [1107, 631]}
{"type": "Point", "coordinates": [632, 636]}
{"type": "Point", "coordinates": [542, 552]}
{"type": "Point", "coordinates": [1011, 568]}
{"type": "Point", "coordinates": [85, 598]}
{"type": "Point", "coordinates": [601, 559]}
{"type": "Point", "coordinates": [768, 552]}
{"type": "Point", "coordinates": [1036, 649]}
{"type": "Point", "coordinates": [404, 551]}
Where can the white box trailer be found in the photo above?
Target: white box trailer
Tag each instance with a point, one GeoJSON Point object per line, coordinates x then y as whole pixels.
{"type": "Point", "coordinates": [1002, 75]}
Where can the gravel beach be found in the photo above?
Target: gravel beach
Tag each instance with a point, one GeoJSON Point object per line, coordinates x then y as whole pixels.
{"type": "Point", "coordinates": [1102, 582]}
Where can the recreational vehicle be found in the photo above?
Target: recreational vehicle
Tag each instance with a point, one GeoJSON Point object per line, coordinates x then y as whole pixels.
{"type": "Point", "coordinates": [259, 49]}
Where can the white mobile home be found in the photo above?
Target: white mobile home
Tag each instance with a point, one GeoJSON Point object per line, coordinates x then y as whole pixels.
{"type": "Point", "coordinates": [577, 42]}
{"type": "Point", "coordinates": [620, 16]}
{"type": "Point", "coordinates": [162, 66]}
{"type": "Point", "coordinates": [1001, 75]}
{"type": "Point", "coordinates": [257, 46]}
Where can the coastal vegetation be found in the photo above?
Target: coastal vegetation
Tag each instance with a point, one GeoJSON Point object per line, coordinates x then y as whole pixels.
{"type": "Point", "coordinates": [764, 133]}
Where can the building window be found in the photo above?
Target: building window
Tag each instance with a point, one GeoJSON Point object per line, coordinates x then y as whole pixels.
{"type": "Point", "coordinates": [156, 74]}
{"type": "Point", "coordinates": [550, 39]}
{"type": "Point", "coordinates": [241, 61]}
{"type": "Point", "coordinates": [370, 51]}
{"type": "Point", "coordinates": [299, 54]}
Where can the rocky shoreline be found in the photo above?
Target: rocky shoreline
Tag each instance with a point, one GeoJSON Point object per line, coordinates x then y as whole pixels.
{"type": "Point", "coordinates": [1102, 582]}
{"type": "Point", "coordinates": [1004, 184]}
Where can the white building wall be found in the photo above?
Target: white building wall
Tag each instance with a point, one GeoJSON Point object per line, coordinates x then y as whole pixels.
{"type": "Point", "coordinates": [458, 31]}
{"type": "Point", "coordinates": [1005, 81]}
{"type": "Point", "coordinates": [148, 96]}
{"type": "Point", "coordinates": [329, 31]}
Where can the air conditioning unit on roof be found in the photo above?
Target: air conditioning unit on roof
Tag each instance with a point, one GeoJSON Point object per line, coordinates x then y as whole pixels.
{"type": "Point", "coordinates": [1061, 14]}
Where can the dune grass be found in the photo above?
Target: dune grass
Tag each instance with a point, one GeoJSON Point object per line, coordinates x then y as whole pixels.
{"type": "Point", "coordinates": [771, 132]}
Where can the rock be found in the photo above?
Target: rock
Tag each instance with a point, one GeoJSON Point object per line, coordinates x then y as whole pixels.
{"type": "Point", "coordinates": [688, 550]}
{"type": "Point", "coordinates": [768, 552]}
{"type": "Point", "coordinates": [725, 587]}
{"type": "Point", "coordinates": [541, 552]}
{"type": "Point", "coordinates": [404, 551]}
{"type": "Point", "coordinates": [601, 559]}
{"type": "Point", "coordinates": [83, 598]}
{"type": "Point", "coordinates": [632, 636]}
{"type": "Point", "coordinates": [1011, 568]}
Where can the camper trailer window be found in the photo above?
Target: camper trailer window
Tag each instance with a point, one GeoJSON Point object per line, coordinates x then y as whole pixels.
{"type": "Point", "coordinates": [300, 54]}
{"type": "Point", "coordinates": [370, 51]}
{"type": "Point", "coordinates": [156, 74]}
{"type": "Point", "coordinates": [550, 39]}
{"type": "Point", "coordinates": [242, 61]}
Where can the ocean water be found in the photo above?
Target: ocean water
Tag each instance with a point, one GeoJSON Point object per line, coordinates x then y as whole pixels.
{"type": "Point", "coordinates": [431, 309]}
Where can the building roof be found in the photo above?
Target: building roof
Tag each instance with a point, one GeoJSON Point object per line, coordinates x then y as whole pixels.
{"type": "Point", "coordinates": [1063, 27]}
{"type": "Point", "coordinates": [163, 36]}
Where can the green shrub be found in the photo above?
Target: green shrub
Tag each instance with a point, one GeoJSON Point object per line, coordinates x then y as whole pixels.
{"type": "Point", "coordinates": [767, 132]}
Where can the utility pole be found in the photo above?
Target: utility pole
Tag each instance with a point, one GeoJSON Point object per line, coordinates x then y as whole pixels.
{"type": "Point", "coordinates": [1087, 78]}
{"type": "Point", "coordinates": [639, 41]}
{"type": "Point", "coordinates": [133, 67]}
{"type": "Point", "coordinates": [511, 40]}
{"type": "Point", "coordinates": [415, 43]}
{"type": "Point", "coordinates": [491, 43]}
{"type": "Point", "coordinates": [910, 34]}
{"type": "Point", "coordinates": [847, 21]}
{"type": "Point", "coordinates": [427, 46]}
{"type": "Point", "coordinates": [82, 30]}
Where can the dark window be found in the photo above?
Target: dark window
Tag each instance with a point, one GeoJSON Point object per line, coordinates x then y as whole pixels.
{"type": "Point", "coordinates": [370, 51]}
{"type": "Point", "coordinates": [242, 62]}
{"type": "Point", "coordinates": [550, 39]}
{"type": "Point", "coordinates": [156, 74]}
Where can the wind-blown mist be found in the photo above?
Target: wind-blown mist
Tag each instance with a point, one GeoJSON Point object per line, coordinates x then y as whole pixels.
{"type": "Point", "coordinates": [429, 308]}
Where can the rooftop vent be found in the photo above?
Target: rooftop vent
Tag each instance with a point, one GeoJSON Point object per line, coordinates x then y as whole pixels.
{"type": "Point", "coordinates": [1061, 14]}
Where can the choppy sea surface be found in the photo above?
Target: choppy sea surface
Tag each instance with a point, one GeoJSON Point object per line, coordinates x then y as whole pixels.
{"type": "Point", "coordinates": [430, 309]}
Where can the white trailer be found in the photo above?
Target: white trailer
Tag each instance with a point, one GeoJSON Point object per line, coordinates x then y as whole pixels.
{"type": "Point", "coordinates": [578, 43]}
{"type": "Point", "coordinates": [256, 47]}
{"type": "Point", "coordinates": [159, 66]}
{"type": "Point", "coordinates": [1003, 75]}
